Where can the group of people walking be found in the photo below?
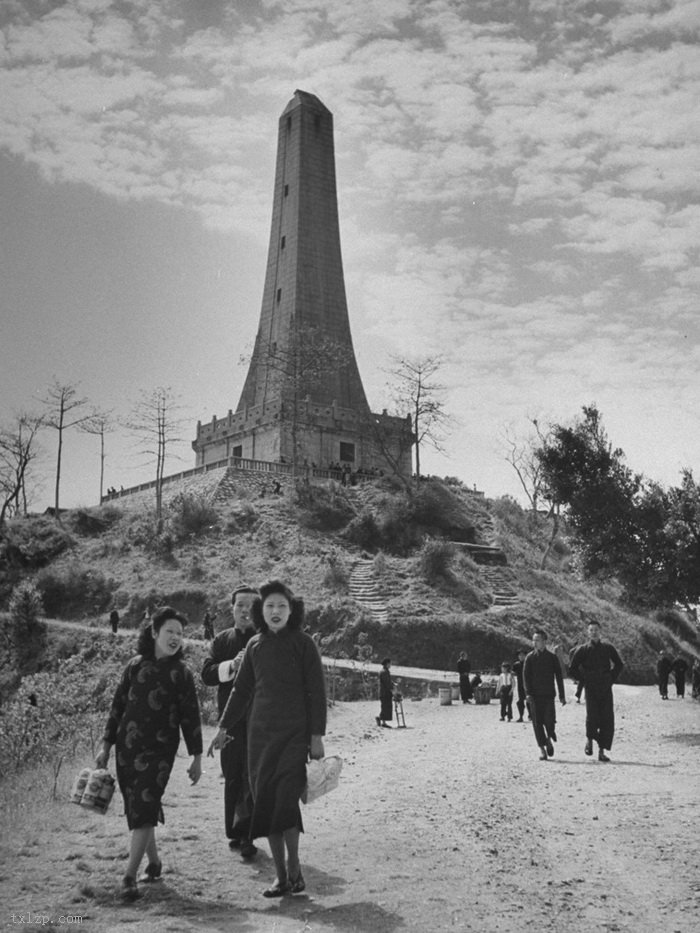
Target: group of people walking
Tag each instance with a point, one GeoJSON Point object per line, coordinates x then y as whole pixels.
{"type": "Point", "coordinates": [535, 680]}
{"type": "Point", "coordinates": [667, 667]}
{"type": "Point", "coordinates": [272, 706]}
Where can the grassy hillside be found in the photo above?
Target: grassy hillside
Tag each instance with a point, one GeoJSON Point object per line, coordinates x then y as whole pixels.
{"type": "Point", "coordinates": [438, 599]}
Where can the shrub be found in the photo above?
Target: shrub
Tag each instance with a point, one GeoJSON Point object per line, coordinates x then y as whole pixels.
{"type": "Point", "coordinates": [435, 559]}
{"type": "Point", "coordinates": [336, 577]}
{"type": "Point", "coordinates": [324, 508]}
{"type": "Point", "coordinates": [364, 531]}
{"type": "Point", "coordinates": [92, 522]}
{"type": "Point", "coordinates": [72, 592]}
{"type": "Point", "coordinates": [34, 543]}
{"type": "Point", "coordinates": [242, 517]}
{"type": "Point", "coordinates": [190, 516]}
{"type": "Point", "coordinates": [27, 631]}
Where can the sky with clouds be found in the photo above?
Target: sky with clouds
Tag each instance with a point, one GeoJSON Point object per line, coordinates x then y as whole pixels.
{"type": "Point", "coordinates": [517, 185]}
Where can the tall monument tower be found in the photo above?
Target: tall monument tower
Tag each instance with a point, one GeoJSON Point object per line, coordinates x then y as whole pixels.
{"type": "Point", "coordinates": [303, 398]}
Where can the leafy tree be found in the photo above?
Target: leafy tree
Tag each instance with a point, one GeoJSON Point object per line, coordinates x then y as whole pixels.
{"type": "Point", "coordinates": [156, 422]}
{"type": "Point", "coordinates": [415, 391]}
{"type": "Point", "coordinates": [64, 409]}
{"type": "Point", "coordinates": [583, 472]}
{"type": "Point", "coordinates": [18, 448]}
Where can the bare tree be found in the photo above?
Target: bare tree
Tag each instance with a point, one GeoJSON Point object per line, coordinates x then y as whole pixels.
{"type": "Point", "coordinates": [18, 448]}
{"type": "Point", "coordinates": [522, 452]}
{"type": "Point", "coordinates": [100, 423]}
{"type": "Point", "coordinates": [415, 390]}
{"type": "Point", "coordinates": [64, 409]}
{"type": "Point", "coordinates": [156, 422]}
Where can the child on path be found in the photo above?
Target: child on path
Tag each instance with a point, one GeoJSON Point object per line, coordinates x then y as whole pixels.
{"type": "Point", "coordinates": [280, 685]}
{"type": "Point", "coordinates": [504, 690]}
{"type": "Point", "coordinates": [154, 700]}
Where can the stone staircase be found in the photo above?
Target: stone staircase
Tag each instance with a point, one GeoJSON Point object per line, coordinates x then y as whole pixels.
{"type": "Point", "coordinates": [363, 588]}
{"type": "Point", "coordinates": [492, 566]}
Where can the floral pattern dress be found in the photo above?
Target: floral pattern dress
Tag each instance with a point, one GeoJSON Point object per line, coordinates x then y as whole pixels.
{"type": "Point", "coordinates": [153, 702]}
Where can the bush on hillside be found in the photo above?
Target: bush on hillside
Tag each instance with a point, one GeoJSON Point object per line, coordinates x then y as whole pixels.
{"type": "Point", "coordinates": [91, 522]}
{"type": "Point", "coordinates": [678, 623]}
{"type": "Point", "coordinates": [323, 508]}
{"type": "Point", "coordinates": [242, 517]}
{"type": "Point", "coordinates": [26, 630]}
{"type": "Point", "coordinates": [435, 559]}
{"type": "Point", "coordinates": [337, 575]}
{"type": "Point", "coordinates": [191, 516]}
{"type": "Point", "coordinates": [364, 531]}
{"type": "Point", "coordinates": [73, 592]}
{"type": "Point", "coordinates": [31, 543]}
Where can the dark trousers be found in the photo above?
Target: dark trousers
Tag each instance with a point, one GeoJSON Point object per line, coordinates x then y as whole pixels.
{"type": "Point", "coordinates": [600, 717]}
{"type": "Point", "coordinates": [237, 797]}
{"type": "Point", "coordinates": [465, 688]}
{"type": "Point", "coordinates": [680, 684]}
{"type": "Point", "coordinates": [520, 703]}
{"type": "Point", "coordinates": [507, 703]}
{"type": "Point", "coordinates": [544, 718]}
{"type": "Point", "coordinates": [663, 685]}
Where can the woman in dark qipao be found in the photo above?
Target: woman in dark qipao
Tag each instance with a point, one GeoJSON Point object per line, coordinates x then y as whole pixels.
{"type": "Point", "coordinates": [155, 700]}
{"type": "Point", "coordinates": [280, 686]}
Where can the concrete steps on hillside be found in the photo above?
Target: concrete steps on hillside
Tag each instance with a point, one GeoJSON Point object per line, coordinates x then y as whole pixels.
{"type": "Point", "coordinates": [363, 588]}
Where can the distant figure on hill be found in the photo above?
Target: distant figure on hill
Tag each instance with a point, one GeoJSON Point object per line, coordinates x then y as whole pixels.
{"type": "Point", "coordinates": [208, 625]}
{"type": "Point", "coordinates": [542, 674]}
{"type": "Point", "coordinates": [663, 671]}
{"type": "Point", "coordinates": [386, 695]}
{"type": "Point", "coordinates": [114, 620]}
{"type": "Point", "coordinates": [464, 670]}
{"type": "Point", "coordinates": [680, 670]}
{"type": "Point", "coordinates": [598, 665]}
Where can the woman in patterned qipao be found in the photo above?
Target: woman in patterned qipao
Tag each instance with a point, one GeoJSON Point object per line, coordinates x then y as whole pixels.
{"type": "Point", "coordinates": [155, 699]}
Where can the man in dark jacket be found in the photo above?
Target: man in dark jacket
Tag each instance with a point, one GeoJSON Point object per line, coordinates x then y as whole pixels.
{"type": "Point", "coordinates": [220, 670]}
{"type": "Point", "coordinates": [541, 674]}
{"type": "Point", "coordinates": [680, 670]}
{"type": "Point", "coordinates": [598, 665]}
{"type": "Point", "coordinates": [663, 670]}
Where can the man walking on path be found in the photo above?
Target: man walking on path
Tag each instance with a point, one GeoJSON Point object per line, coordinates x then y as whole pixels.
{"type": "Point", "coordinates": [220, 670]}
{"type": "Point", "coordinates": [598, 665]}
{"type": "Point", "coordinates": [663, 670]}
{"type": "Point", "coordinates": [543, 678]}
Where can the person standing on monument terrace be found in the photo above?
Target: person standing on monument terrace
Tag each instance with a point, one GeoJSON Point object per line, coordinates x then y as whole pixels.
{"type": "Point", "coordinates": [541, 675]}
{"type": "Point", "coordinates": [281, 683]}
{"type": "Point", "coordinates": [598, 665]}
{"type": "Point", "coordinates": [219, 670]}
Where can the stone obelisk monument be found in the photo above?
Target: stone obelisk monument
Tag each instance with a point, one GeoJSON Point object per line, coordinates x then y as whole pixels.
{"type": "Point", "coordinates": [303, 399]}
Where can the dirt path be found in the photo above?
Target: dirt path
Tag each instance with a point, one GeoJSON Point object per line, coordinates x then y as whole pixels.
{"type": "Point", "coordinates": [449, 824]}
